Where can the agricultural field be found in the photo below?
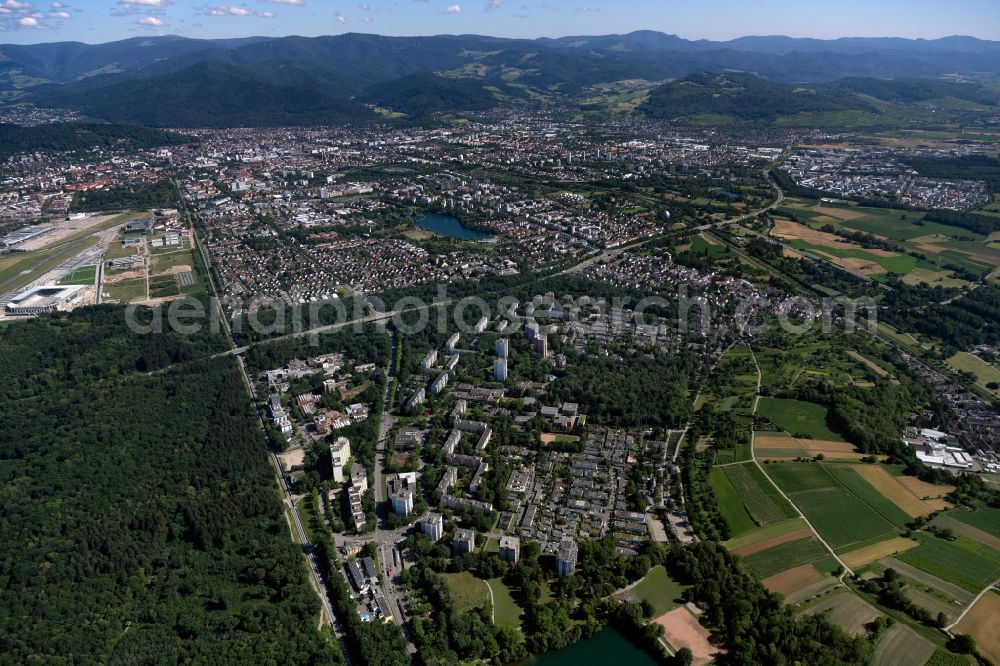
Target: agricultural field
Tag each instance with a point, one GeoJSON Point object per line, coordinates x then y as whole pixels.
{"type": "Point", "coordinates": [163, 286]}
{"type": "Point", "coordinates": [803, 419]}
{"type": "Point", "coordinates": [772, 561]}
{"type": "Point", "coordinates": [964, 562]}
{"type": "Point", "coordinates": [780, 446]}
{"type": "Point", "coordinates": [761, 499]}
{"type": "Point", "coordinates": [984, 518]}
{"type": "Point", "coordinates": [730, 503]}
{"type": "Point", "coordinates": [845, 609]}
{"type": "Point", "coordinates": [901, 646]}
{"type": "Point", "coordinates": [763, 534]}
{"type": "Point", "coordinates": [844, 508]}
{"type": "Point", "coordinates": [800, 583]}
{"type": "Point", "coordinates": [938, 243]}
{"type": "Point", "coordinates": [980, 623]}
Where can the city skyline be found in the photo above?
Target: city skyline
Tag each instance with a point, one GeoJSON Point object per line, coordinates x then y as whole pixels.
{"type": "Point", "coordinates": [97, 21]}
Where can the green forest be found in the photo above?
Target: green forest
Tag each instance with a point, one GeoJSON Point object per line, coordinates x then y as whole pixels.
{"type": "Point", "coordinates": [135, 197]}
{"type": "Point", "coordinates": [141, 519]}
{"type": "Point", "coordinates": [16, 139]}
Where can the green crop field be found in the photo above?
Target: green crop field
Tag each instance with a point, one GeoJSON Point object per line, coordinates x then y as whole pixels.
{"type": "Point", "coordinates": [964, 562]}
{"type": "Point", "coordinates": [761, 499]}
{"type": "Point", "coordinates": [984, 518]}
{"type": "Point", "coordinates": [659, 589]}
{"type": "Point", "coordinates": [840, 516]}
{"type": "Point", "coordinates": [789, 555]}
{"type": "Point", "coordinates": [846, 476]}
{"type": "Point", "coordinates": [765, 533]}
{"type": "Point", "coordinates": [798, 417]}
{"type": "Point", "coordinates": [730, 504]}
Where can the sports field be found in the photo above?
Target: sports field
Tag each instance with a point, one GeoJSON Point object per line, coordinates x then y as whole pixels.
{"type": "Point", "coordinates": [82, 275]}
{"type": "Point", "coordinates": [798, 417]}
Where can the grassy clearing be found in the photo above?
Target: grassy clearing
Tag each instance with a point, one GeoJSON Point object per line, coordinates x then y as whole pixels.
{"type": "Point", "coordinates": [659, 589]}
{"type": "Point", "coordinates": [730, 504]}
{"type": "Point", "coordinates": [761, 499]}
{"type": "Point", "coordinates": [983, 371]}
{"type": "Point", "coordinates": [127, 291]}
{"type": "Point", "coordinates": [165, 262]}
{"type": "Point", "coordinates": [798, 417]}
{"type": "Point", "coordinates": [467, 591]}
{"type": "Point", "coordinates": [506, 612]}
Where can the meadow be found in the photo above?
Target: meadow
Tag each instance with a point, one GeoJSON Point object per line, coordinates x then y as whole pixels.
{"type": "Point", "coordinates": [798, 417]}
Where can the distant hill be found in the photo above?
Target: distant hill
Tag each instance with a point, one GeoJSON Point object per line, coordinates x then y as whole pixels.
{"type": "Point", "coordinates": [740, 97]}
{"type": "Point", "coordinates": [426, 93]}
{"type": "Point", "coordinates": [210, 95]}
{"type": "Point", "coordinates": [307, 80]}
{"type": "Point", "coordinates": [15, 139]}
{"type": "Point", "coordinates": [905, 91]}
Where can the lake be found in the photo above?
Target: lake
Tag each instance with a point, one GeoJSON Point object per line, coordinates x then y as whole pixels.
{"type": "Point", "coordinates": [607, 647]}
{"type": "Point", "coordinates": [446, 225]}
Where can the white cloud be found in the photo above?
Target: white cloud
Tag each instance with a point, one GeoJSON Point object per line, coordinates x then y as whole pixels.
{"type": "Point", "coordinates": [152, 21]}
{"type": "Point", "coordinates": [58, 15]}
{"type": "Point", "coordinates": [341, 20]}
{"type": "Point", "coordinates": [366, 19]}
{"type": "Point", "coordinates": [232, 10]}
{"type": "Point", "coordinates": [159, 4]}
{"type": "Point", "coordinates": [454, 9]}
{"type": "Point", "coordinates": [29, 22]}
{"type": "Point", "coordinates": [364, 6]}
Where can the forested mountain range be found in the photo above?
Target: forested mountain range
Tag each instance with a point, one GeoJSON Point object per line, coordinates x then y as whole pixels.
{"type": "Point", "coordinates": [299, 80]}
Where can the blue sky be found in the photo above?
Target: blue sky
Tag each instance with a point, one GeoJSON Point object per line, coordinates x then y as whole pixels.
{"type": "Point", "coordinates": [29, 21]}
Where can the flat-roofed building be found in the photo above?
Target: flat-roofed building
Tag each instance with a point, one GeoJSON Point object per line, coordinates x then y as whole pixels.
{"type": "Point", "coordinates": [464, 542]}
{"type": "Point", "coordinates": [510, 549]}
